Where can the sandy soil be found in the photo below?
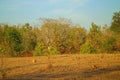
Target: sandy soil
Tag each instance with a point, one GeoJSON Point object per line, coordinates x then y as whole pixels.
{"type": "Point", "coordinates": [64, 67]}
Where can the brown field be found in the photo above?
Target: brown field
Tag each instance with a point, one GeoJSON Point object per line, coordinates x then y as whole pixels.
{"type": "Point", "coordinates": [65, 67]}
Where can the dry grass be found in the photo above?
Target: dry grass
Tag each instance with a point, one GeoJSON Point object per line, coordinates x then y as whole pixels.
{"type": "Point", "coordinates": [77, 67]}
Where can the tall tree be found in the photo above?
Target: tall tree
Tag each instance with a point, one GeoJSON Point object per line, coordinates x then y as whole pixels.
{"type": "Point", "coordinates": [93, 42]}
{"type": "Point", "coordinates": [77, 37]}
{"type": "Point", "coordinates": [29, 37]}
{"type": "Point", "coordinates": [13, 39]}
{"type": "Point", "coordinates": [115, 25]}
{"type": "Point", "coordinates": [55, 33]}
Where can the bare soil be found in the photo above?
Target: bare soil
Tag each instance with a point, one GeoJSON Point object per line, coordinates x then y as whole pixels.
{"type": "Point", "coordinates": [64, 67]}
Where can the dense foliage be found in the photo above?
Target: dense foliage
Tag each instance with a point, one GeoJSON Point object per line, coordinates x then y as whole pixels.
{"type": "Point", "coordinates": [59, 36]}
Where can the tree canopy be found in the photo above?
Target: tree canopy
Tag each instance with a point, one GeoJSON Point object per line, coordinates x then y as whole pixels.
{"type": "Point", "coordinates": [59, 36]}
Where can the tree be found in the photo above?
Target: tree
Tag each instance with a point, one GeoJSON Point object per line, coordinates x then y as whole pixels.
{"type": "Point", "coordinates": [40, 49]}
{"type": "Point", "coordinates": [54, 32]}
{"type": "Point", "coordinates": [76, 39]}
{"type": "Point", "coordinates": [13, 39]}
{"type": "Point", "coordinates": [108, 44]}
{"type": "Point", "coordinates": [115, 25]}
{"type": "Point", "coordinates": [108, 40]}
{"type": "Point", "coordinates": [93, 40]}
{"type": "Point", "coordinates": [29, 38]}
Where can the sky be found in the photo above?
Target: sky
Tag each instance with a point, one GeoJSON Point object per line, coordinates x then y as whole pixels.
{"type": "Point", "coordinates": [82, 12]}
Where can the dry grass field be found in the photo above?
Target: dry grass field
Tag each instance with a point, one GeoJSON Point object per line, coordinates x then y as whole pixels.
{"type": "Point", "coordinates": [64, 67]}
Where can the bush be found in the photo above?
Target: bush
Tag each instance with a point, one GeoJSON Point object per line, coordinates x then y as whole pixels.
{"type": "Point", "coordinates": [40, 50]}
{"type": "Point", "coordinates": [108, 45]}
{"type": "Point", "coordinates": [87, 48]}
{"type": "Point", "coordinates": [18, 47]}
{"type": "Point", "coordinates": [53, 50]}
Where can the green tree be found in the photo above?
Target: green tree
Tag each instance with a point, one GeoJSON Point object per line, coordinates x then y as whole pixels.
{"type": "Point", "coordinates": [12, 38]}
{"type": "Point", "coordinates": [29, 38]}
{"type": "Point", "coordinates": [77, 37]}
{"type": "Point", "coordinates": [115, 25]}
{"type": "Point", "coordinates": [93, 40]}
{"type": "Point", "coordinates": [40, 49]}
{"type": "Point", "coordinates": [108, 40]}
{"type": "Point", "coordinates": [108, 45]}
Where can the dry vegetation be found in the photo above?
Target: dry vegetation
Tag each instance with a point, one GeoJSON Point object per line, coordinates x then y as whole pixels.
{"type": "Point", "coordinates": [78, 66]}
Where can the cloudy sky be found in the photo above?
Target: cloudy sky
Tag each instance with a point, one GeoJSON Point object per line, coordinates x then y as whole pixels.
{"type": "Point", "coordinates": [81, 12]}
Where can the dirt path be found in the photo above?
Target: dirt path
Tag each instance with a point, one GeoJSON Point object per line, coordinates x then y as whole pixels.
{"type": "Point", "coordinates": [106, 73]}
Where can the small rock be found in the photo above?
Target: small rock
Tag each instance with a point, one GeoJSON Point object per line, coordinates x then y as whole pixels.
{"type": "Point", "coordinates": [94, 67]}
{"type": "Point", "coordinates": [34, 61]}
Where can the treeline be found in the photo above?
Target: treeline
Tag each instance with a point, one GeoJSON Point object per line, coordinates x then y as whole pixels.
{"type": "Point", "coordinates": [59, 36]}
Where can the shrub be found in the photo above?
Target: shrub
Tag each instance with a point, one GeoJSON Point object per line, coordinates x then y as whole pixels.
{"type": "Point", "coordinates": [108, 44]}
{"type": "Point", "coordinates": [40, 50]}
{"type": "Point", "coordinates": [87, 48]}
{"type": "Point", "coordinates": [18, 48]}
{"type": "Point", "coordinates": [53, 50]}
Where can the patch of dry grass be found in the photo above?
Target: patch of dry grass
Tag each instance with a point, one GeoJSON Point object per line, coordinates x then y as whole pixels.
{"type": "Point", "coordinates": [77, 66]}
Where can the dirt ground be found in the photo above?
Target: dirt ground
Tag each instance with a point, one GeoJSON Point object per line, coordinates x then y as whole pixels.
{"type": "Point", "coordinates": [64, 67]}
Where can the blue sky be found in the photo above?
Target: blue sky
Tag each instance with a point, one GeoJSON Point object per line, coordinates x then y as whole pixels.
{"type": "Point", "coordinates": [81, 12]}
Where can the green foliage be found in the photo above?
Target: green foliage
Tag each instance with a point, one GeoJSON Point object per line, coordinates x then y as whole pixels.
{"type": "Point", "coordinates": [11, 54]}
{"type": "Point", "coordinates": [18, 47]}
{"type": "Point", "coordinates": [87, 48]}
{"type": "Point", "coordinates": [40, 49]}
{"type": "Point", "coordinates": [115, 26]}
{"type": "Point", "coordinates": [52, 50]}
{"type": "Point", "coordinates": [2, 49]}
{"type": "Point", "coordinates": [29, 37]}
{"type": "Point", "coordinates": [108, 44]}
{"type": "Point", "coordinates": [13, 40]}
{"type": "Point", "coordinates": [13, 35]}
{"type": "Point", "coordinates": [59, 36]}
{"type": "Point", "coordinates": [76, 39]}
{"type": "Point", "coordinates": [93, 40]}
{"type": "Point", "coordinates": [33, 43]}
